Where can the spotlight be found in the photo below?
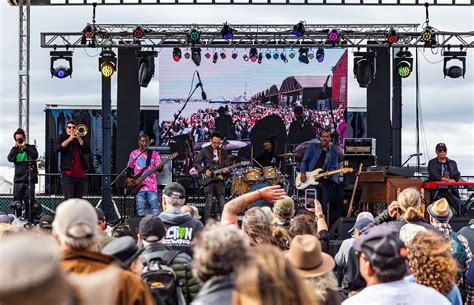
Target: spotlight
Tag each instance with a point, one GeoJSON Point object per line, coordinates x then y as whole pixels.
{"type": "Point", "coordinates": [146, 66]}
{"type": "Point", "coordinates": [176, 54]}
{"type": "Point", "coordinates": [333, 36]}
{"type": "Point", "coordinates": [215, 57]}
{"type": "Point", "coordinates": [253, 54]}
{"type": "Point", "coordinates": [88, 34]}
{"type": "Point", "coordinates": [187, 55]}
{"type": "Point", "coordinates": [107, 63]}
{"type": "Point", "coordinates": [222, 55]}
{"type": "Point", "coordinates": [403, 64]}
{"type": "Point", "coordinates": [364, 68]}
{"type": "Point", "coordinates": [292, 54]}
{"type": "Point", "coordinates": [207, 55]}
{"type": "Point", "coordinates": [227, 32]}
{"type": "Point", "coordinates": [194, 36]}
{"type": "Point", "coordinates": [234, 55]}
{"type": "Point", "coordinates": [276, 55]}
{"type": "Point", "coordinates": [428, 37]}
{"type": "Point", "coordinates": [283, 57]}
{"type": "Point", "coordinates": [320, 55]}
{"type": "Point", "coordinates": [196, 56]}
{"type": "Point", "coordinates": [138, 33]}
{"type": "Point", "coordinates": [303, 55]}
{"type": "Point", "coordinates": [246, 57]}
{"type": "Point", "coordinates": [310, 54]}
{"type": "Point", "coordinates": [260, 57]}
{"type": "Point", "coordinates": [392, 36]}
{"type": "Point", "coordinates": [298, 29]}
{"type": "Point", "coordinates": [268, 54]}
{"type": "Point", "coordinates": [454, 71]}
{"type": "Point", "coordinates": [61, 71]}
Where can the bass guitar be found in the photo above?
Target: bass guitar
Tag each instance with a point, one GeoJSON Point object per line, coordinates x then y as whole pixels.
{"type": "Point", "coordinates": [204, 180]}
{"type": "Point", "coordinates": [312, 177]}
{"type": "Point", "coordinates": [135, 183]}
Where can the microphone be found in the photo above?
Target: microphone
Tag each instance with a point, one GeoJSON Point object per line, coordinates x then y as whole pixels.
{"type": "Point", "coordinates": [203, 94]}
{"type": "Point", "coordinates": [416, 155]}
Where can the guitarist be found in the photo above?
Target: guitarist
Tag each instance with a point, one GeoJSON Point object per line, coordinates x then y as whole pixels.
{"type": "Point", "coordinates": [322, 155]}
{"type": "Point", "coordinates": [211, 158]}
{"type": "Point", "coordinates": [141, 160]}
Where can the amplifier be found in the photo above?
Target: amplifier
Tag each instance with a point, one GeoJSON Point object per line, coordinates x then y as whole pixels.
{"type": "Point", "coordinates": [359, 146]}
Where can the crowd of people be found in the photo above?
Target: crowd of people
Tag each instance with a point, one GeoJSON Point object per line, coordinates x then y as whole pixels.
{"type": "Point", "coordinates": [244, 117]}
{"type": "Point", "coordinates": [275, 256]}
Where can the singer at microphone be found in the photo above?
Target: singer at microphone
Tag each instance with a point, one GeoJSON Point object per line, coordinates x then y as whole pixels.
{"type": "Point", "coordinates": [199, 84]}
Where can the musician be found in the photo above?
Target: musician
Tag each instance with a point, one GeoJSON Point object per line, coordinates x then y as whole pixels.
{"type": "Point", "coordinates": [446, 170]}
{"type": "Point", "coordinates": [140, 161]}
{"type": "Point", "coordinates": [322, 155]}
{"type": "Point", "coordinates": [26, 173]}
{"type": "Point", "coordinates": [211, 158]}
{"type": "Point", "coordinates": [300, 129]}
{"type": "Point", "coordinates": [268, 157]}
{"type": "Point", "coordinates": [73, 150]}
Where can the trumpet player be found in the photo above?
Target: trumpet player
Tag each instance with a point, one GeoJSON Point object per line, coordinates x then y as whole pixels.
{"type": "Point", "coordinates": [24, 157]}
{"type": "Point", "coordinates": [73, 150]}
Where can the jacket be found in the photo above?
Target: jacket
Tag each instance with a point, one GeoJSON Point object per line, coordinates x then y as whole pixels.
{"type": "Point", "coordinates": [181, 228]}
{"type": "Point", "coordinates": [396, 225]}
{"type": "Point", "coordinates": [216, 292]}
{"type": "Point", "coordinates": [67, 153]}
{"type": "Point", "coordinates": [131, 290]}
{"type": "Point", "coordinates": [435, 171]}
{"type": "Point", "coordinates": [311, 156]}
{"type": "Point", "coordinates": [181, 265]}
{"type": "Point", "coordinates": [205, 156]}
{"type": "Point", "coordinates": [21, 168]}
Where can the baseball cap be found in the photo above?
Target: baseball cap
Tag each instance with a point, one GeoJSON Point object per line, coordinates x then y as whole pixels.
{"type": "Point", "coordinates": [362, 215]}
{"type": "Point", "coordinates": [151, 228]}
{"type": "Point", "coordinates": [124, 249]}
{"type": "Point", "coordinates": [382, 247]}
{"type": "Point", "coordinates": [174, 188]}
{"type": "Point", "coordinates": [286, 204]}
{"type": "Point", "coordinates": [441, 146]}
{"type": "Point", "coordinates": [74, 212]}
{"type": "Point", "coordinates": [361, 224]}
{"type": "Point", "coordinates": [46, 222]}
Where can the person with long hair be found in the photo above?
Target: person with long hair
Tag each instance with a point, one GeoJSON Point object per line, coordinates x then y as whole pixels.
{"type": "Point", "coordinates": [257, 227]}
{"type": "Point", "coordinates": [268, 279]}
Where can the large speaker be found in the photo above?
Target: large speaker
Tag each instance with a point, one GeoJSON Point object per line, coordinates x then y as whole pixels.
{"type": "Point", "coordinates": [340, 230]}
{"type": "Point", "coordinates": [133, 222]}
{"type": "Point", "coordinates": [353, 161]}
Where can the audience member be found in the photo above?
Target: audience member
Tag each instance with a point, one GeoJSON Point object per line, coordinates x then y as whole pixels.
{"type": "Point", "coordinates": [284, 210]}
{"type": "Point", "coordinates": [46, 224]}
{"type": "Point", "coordinates": [120, 230]}
{"type": "Point", "coordinates": [360, 224]}
{"type": "Point", "coordinates": [125, 250]}
{"type": "Point", "coordinates": [468, 233]}
{"type": "Point", "coordinates": [104, 238]}
{"type": "Point", "coordinates": [281, 238]}
{"type": "Point", "coordinates": [257, 227]}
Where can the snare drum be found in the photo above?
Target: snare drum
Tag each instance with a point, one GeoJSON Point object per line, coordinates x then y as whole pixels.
{"type": "Point", "coordinates": [270, 173]}
{"type": "Point", "coordinates": [252, 175]}
{"type": "Point", "coordinates": [239, 185]}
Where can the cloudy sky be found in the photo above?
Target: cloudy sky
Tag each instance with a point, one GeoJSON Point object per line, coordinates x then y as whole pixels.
{"type": "Point", "coordinates": [447, 104]}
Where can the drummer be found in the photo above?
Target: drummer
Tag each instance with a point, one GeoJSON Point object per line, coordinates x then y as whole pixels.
{"type": "Point", "coordinates": [268, 157]}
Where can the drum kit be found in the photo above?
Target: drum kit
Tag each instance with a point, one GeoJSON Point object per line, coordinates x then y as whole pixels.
{"type": "Point", "coordinates": [254, 178]}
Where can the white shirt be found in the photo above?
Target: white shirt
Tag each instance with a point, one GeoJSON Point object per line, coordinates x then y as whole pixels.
{"type": "Point", "coordinates": [343, 253]}
{"type": "Point", "coordinates": [397, 293]}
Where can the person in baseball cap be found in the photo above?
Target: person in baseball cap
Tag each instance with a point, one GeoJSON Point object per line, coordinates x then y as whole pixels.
{"type": "Point", "coordinates": [151, 229]}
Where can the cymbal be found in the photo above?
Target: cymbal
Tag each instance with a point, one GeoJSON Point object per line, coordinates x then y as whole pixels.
{"type": "Point", "coordinates": [229, 144]}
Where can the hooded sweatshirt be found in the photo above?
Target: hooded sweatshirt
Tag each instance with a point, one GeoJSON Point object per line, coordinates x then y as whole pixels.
{"type": "Point", "coordinates": [181, 228]}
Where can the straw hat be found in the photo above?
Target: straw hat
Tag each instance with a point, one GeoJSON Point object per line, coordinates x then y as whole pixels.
{"type": "Point", "coordinates": [440, 210]}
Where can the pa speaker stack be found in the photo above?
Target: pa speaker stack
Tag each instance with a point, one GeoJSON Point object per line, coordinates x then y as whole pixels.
{"type": "Point", "coordinates": [358, 151]}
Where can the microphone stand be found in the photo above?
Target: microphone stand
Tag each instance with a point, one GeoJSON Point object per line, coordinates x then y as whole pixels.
{"type": "Point", "coordinates": [409, 158]}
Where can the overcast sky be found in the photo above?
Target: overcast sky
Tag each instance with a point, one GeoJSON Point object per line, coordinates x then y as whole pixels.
{"type": "Point", "coordinates": [447, 104]}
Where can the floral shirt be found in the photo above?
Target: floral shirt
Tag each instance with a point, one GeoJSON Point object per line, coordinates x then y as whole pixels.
{"type": "Point", "coordinates": [150, 184]}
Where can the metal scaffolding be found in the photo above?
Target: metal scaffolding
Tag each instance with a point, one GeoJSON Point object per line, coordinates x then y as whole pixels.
{"type": "Point", "coordinates": [24, 66]}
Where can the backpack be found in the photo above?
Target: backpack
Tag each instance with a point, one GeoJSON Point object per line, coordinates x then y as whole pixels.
{"type": "Point", "coordinates": [161, 278]}
{"type": "Point", "coordinates": [459, 252]}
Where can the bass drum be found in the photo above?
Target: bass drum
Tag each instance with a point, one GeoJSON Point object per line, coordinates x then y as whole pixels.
{"type": "Point", "coordinates": [259, 203]}
{"type": "Point", "coordinates": [239, 185]}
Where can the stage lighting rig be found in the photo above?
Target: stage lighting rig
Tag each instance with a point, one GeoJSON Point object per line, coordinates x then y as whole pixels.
{"type": "Point", "coordinates": [454, 71]}
{"type": "Point", "coordinates": [253, 55]}
{"type": "Point", "coordinates": [88, 35]}
{"type": "Point", "coordinates": [223, 55]}
{"type": "Point", "coordinates": [311, 54]}
{"type": "Point", "coordinates": [334, 37]}
{"type": "Point", "coordinates": [107, 63]}
{"type": "Point", "coordinates": [138, 33]}
{"type": "Point", "coordinates": [403, 64]}
{"type": "Point", "coordinates": [283, 57]}
{"type": "Point", "coordinates": [268, 54]}
{"type": "Point", "coordinates": [146, 66]}
{"type": "Point", "coordinates": [61, 71]}
{"type": "Point", "coordinates": [235, 54]}
{"type": "Point", "coordinates": [227, 32]}
{"type": "Point", "coordinates": [303, 57]}
{"type": "Point", "coordinates": [276, 55]}
{"type": "Point", "coordinates": [392, 36]}
{"type": "Point", "coordinates": [428, 37]}
{"type": "Point", "coordinates": [207, 55]}
{"type": "Point", "coordinates": [176, 54]}
{"type": "Point", "coordinates": [292, 54]}
{"type": "Point", "coordinates": [215, 57]}
{"type": "Point", "coordinates": [320, 55]}
{"type": "Point", "coordinates": [194, 36]}
{"type": "Point", "coordinates": [245, 57]}
{"type": "Point", "coordinates": [196, 56]}
{"type": "Point", "coordinates": [364, 68]}
{"type": "Point", "coordinates": [298, 29]}
{"type": "Point", "coordinates": [260, 57]}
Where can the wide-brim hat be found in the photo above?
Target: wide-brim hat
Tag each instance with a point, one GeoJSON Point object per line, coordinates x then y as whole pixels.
{"type": "Point", "coordinates": [306, 256]}
{"type": "Point", "coordinates": [440, 210]}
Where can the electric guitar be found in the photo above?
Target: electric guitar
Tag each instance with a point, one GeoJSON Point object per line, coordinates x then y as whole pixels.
{"type": "Point", "coordinates": [135, 183]}
{"type": "Point", "coordinates": [204, 180]}
{"type": "Point", "coordinates": [312, 177]}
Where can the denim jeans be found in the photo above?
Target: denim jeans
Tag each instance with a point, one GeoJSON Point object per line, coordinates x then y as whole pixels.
{"type": "Point", "coordinates": [152, 198]}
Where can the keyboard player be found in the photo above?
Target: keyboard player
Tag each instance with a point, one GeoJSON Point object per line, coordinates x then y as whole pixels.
{"type": "Point", "coordinates": [444, 169]}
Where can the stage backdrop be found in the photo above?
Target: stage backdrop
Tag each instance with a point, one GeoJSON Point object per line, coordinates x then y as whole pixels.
{"type": "Point", "coordinates": [249, 91]}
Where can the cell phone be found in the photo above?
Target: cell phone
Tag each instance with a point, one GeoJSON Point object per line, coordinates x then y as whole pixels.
{"type": "Point", "coordinates": [309, 198]}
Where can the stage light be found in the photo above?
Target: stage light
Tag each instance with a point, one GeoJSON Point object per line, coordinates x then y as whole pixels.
{"type": "Point", "coordinates": [292, 54]}
{"type": "Point", "coordinates": [227, 32]}
{"type": "Point", "coordinates": [364, 68]}
{"type": "Point", "coordinates": [260, 57]}
{"type": "Point", "coordinates": [176, 54]}
{"type": "Point", "coordinates": [298, 29]}
{"type": "Point", "coordinates": [403, 64]}
{"type": "Point", "coordinates": [428, 37]}
{"type": "Point", "coordinates": [253, 55]}
{"type": "Point", "coordinates": [333, 36]}
{"type": "Point", "coordinates": [107, 63]}
{"type": "Point", "coordinates": [196, 56]}
{"type": "Point", "coordinates": [320, 55]}
{"type": "Point", "coordinates": [61, 71]}
{"type": "Point", "coordinates": [194, 36]}
{"type": "Point", "coordinates": [268, 54]}
{"type": "Point", "coordinates": [245, 57]}
{"type": "Point", "coordinates": [215, 57]}
{"type": "Point", "coordinates": [310, 54]}
{"type": "Point", "coordinates": [392, 36]}
{"type": "Point", "coordinates": [187, 55]}
{"type": "Point", "coordinates": [88, 34]}
{"type": "Point", "coordinates": [207, 55]}
{"type": "Point", "coordinates": [303, 57]}
{"type": "Point", "coordinates": [222, 55]}
{"type": "Point", "coordinates": [234, 55]}
{"type": "Point", "coordinates": [454, 71]}
{"type": "Point", "coordinates": [146, 66]}
{"type": "Point", "coordinates": [138, 33]}
{"type": "Point", "coordinates": [276, 55]}
{"type": "Point", "coordinates": [283, 57]}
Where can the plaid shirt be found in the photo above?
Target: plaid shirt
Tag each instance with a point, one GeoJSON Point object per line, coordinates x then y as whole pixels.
{"type": "Point", "coordinates": [446, 228]}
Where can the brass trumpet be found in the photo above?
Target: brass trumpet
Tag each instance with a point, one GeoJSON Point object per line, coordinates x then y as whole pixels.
{"type": "Point", "coordinates": [21, 141]}
{"type": "Point", "coordinates": [81, 130]}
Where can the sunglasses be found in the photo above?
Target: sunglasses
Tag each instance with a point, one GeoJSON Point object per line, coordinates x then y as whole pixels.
{"type": "Point", "coordinates": [71, 127]}
{"type": "Point", "coordinates": [442, 150]}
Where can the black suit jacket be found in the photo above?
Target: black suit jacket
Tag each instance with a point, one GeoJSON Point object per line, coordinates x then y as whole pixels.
{"type": "Point", "coordinates": [204, 160]}
{"type": "Point", "coordinates": [67, 153]}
